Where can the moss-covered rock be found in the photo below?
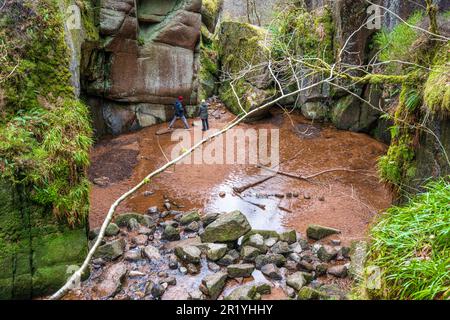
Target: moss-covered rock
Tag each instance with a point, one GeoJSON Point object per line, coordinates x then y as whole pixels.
{"type": "Point", "coordinates": [210, 13]}
{"type": "Point", "coordinates": [242, 45]}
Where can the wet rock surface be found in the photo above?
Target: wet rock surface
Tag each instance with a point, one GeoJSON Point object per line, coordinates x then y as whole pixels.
{"type": "Point", "coordinates": [248, 267]}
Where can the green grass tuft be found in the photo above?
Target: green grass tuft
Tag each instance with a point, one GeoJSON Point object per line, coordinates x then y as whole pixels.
{"type": "Point", "coordinates": [411, 244]}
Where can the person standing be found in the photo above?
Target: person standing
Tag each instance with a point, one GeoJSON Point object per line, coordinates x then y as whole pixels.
{"type": "Point", "coordinates": [204, 115]}
{"type": "Point", "coordinates": [179, 113]}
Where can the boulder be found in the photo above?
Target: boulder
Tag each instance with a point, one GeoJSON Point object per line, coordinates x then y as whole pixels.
{"type": "Point", "coordinates": [133, 255]}
{"type": "Point", "coordinates": [240, 270]}
{"type": "Point", "coordinates": [231, 257]}
{"type": "Point", "coordinates": [209, 218]}
{"type": "Point", "coordinates": [327, 253]}
{"type": "Point", "coordinates": [228, 227]}
{"type": "Point", "coordinates": [296, 281]}
{"type": "Point", "coordinates": [257, 241]}
{"type": "Point", "coordinates": [271, 270]}
{"type": "Point", "coordinates": [246, 292]}
{"type": "Point", "coordinates": [277, 259]}
{"type": "Point", "coordinates": [123, 220]}
{"type": "Point", "coordinates": [216, 251]}
{"type": "Point", "coordinates": [307, 293]}
{"type": "Point", "coordinates": [112, 230]}
{"type": "Point", "coordinates": [189, 217]}
{"type": "Point", "coordinates": [318, 232]}
{"type": "Point", "coordinates": [315, 110]}
{"type": "Point", "coordinates": [111, 250]}
{"type": "Point", "coordinates": [171, 233]}
{"type": "Point", "coordinates": [281, 247]}
{"type": "Point", "coordinates": [189, 254]}
{"type": "Point", "coordinates": [249, 254]}
{"type": "Point", "coordinates": [340, 271]}
{"type": "Point", "coordinates": [213, 284]}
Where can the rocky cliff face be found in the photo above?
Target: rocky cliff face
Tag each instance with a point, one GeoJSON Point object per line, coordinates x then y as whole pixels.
{"type": "Point", "coordinates": [148, 56]}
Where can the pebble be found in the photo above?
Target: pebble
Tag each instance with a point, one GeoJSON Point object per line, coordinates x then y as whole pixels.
{"type": "Point", "coordinates": [183, 270]}
{"type": "Point", "coordinates": [307, 196]}
{"type": "Point", "coordinates": [222, 194]}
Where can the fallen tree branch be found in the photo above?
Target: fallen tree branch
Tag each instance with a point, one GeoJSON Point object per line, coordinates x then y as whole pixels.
{"type": "Point", "coordinates": [306, 178]}
{"type": "Point", "coordinates": [75, 278]}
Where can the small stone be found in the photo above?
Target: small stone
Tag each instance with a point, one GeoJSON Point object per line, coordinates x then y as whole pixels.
{"type": "Point", "coordinates": [216, 251]}
{"type": "Point", "coordinates": [189, 217]}
{"type": "Point", "coordinates": [257, 241]}
{"type": "Point", "coordinates": [213, 267]}
{"type": "Point", "coordinates": [318, 232]}
{"type": "Point", "coordinates": [279, 195]}
{"type": "Point", "coordinates": [321, 198]}
{"type": "Point", "coordinates": [263, 288]}
{"type": "Point", "coordinates": [290, 292]}
{"type": "Point", "coordinates": [196, 295]}
{"type": "Point", "coordinates": [321, 269]}
{"type": "Point", "coordinates": [294, 257]}
{"type": "Point", "coordinates": [340, 271]}
{"type": "Point", "coordinates": [222, 194]}
{"type": "Point", "coordinates": [270, 242]}
{"type": "Point", "coordinates": [111, 250]}
{"type": "Point", "coordinates": [307, 196]}
{"type": "Point", "coordinates": [296, 281]}
{"type": "Point", "coordinates": [291, 265]}
{"type": "Point", "coordinates": [164, 214]}
{"type": "Point", "coordinates": [272, 271]}
{"type": "Point", "coordinates": [192, 227]}
{"type": "Point", "coordinates": [295, 247]}
{"type": "Point", "coordinates": [171, 233]}
{"type": "Point", "coordinates": [135, 273]}
{"type": "Point", "coordinates": [247, 292]}
{"type": "Point", "coordinates": [249, 254]}
{"type": "Point", "coordinates": [289, 236]}
{"type": "Point", "coordinates": [305, 266]}
{"type": "Point", "coordinates": [167, 205]}
{"type": "Point", "coordinates": [183, 270]}
{"type": "Point", "coordinates": [140, 240]}
{"type": "Point", "coordinates": [133, 255]}
{"type": "Point", "coordinates": [192, 268]}
{"type": "Point", "coordinates": [327, 253]}
{"type": "Point", "coordinates": [148, 193]}
{"type": "Point", "coordinates": [171, 281]}
{"type": "Point", "coordinates": [213, 284]}
{"type": "Point", "coordinates": [163, 274]}
{"type": "Point", "coordinates": [157, 290]}
{"type": "Point", "coordinates": [240, 270]}
{"type": "Point", "coordinates": [112, 230]}
{"type": "Point", "coordinates": [281, 247]}
{"type": "Point", "coordinates": [276, 259]}
{"type": "Point", "coordinates": [231, 257]}
{"type": "Point", "coordinates": [189, 254]}
{"type": "Point", "coordinates": [152, 210]}
{"type": "Point", "coordinates": [144, 230]}
{"type": "Point", "coordinates": [151, 253]}
{"type": "Point", "coordinates": [288, 195]}
{"type": "Point", "coordinates": [295, 194]}
{"type": "Point", "coordinates": [133, 224]}
{"type": "Point", "coordinates": [307, 293]}
{"type": "Point", "coordinates": [173, 262]}
{"type": "Point", "coordinates": [304, 244]}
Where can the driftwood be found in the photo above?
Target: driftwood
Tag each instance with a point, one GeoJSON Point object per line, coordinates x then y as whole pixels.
{"type": "Point", "coordinates": [251, 185]}
{"type": "Point", "coordinates": [306, 178]}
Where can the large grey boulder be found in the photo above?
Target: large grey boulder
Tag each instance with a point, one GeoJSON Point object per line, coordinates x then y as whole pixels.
{"type": "Point", "coordinates": [228, 227]}
{"type": "Point", "coordinates": [216, 251]}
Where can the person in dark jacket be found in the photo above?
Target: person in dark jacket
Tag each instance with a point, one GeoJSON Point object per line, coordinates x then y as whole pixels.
{"type": "Point", "coordinates": [179, 113]}
{"type": "Point", "coordinates": [204, 115]}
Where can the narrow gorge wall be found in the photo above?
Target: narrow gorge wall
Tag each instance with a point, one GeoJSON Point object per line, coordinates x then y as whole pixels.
{"type": "Point", "coordinates": [147, 57]}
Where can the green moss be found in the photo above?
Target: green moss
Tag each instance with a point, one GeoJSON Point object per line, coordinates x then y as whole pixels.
{"type": "Point", "coordinates": [210, 12]}
{"type": "Point", "coordinates": [304, 33]}
{"type": "Point", "coordinates": [437, 90]}
{"type": "Point", "coordinates": [45, 132]}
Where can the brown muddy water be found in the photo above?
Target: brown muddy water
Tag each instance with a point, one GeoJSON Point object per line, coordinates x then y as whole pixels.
{"type": "Point", "coordinates": [347, 199]}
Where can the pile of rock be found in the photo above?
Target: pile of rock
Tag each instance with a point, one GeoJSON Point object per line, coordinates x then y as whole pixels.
{"type": "Point", "coordinates": [218, 248]}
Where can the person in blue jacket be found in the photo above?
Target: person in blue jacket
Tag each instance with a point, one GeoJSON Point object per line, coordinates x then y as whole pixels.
{"type": "Point", "coordinates": [179, 113]}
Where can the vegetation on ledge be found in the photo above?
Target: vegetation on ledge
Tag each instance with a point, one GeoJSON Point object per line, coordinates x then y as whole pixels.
{"type": "Point", "coordinates": [411, 246]}
{"type": "Point", "coordinates": [45, 131]}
